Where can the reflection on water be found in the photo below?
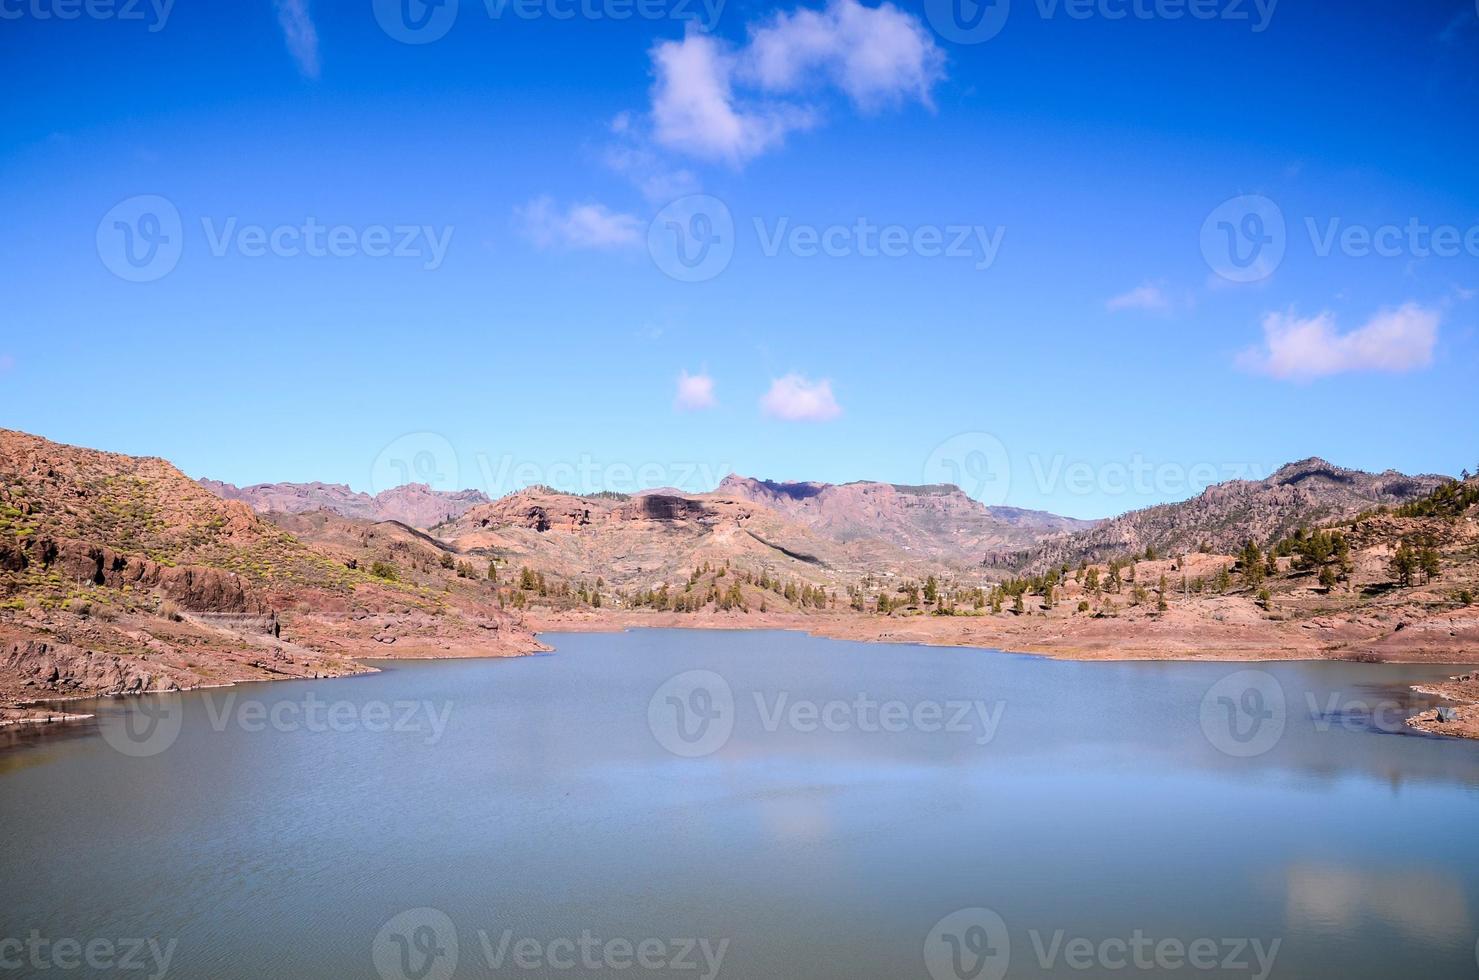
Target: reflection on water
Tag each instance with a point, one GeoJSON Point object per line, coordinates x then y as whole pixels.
{"type": "Point", "coordinates": [823, 806]}
{"type": "Point", "coordinates": [1428, 906]}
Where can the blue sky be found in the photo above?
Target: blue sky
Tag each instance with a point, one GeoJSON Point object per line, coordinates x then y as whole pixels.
{"type": "Point", "coordinates": [1073, 318]}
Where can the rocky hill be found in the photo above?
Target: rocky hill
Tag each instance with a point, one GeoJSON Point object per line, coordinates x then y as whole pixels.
{"type": "Point", "coordinates": [415, 504]}
{"type": "Point", "coordinates": [1223, 517]}
{"type": "Point", "coordinates": [647, 540]}
{"type": "Point", "coordinates": [121, 574]}
{"type": "Point", "coordinates": [937, 522]}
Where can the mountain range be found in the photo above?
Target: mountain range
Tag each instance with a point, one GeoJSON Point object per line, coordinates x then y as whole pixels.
{"type": "Point", "coordinates": [120, 574]}
{"type": "Point", "coordinates": [414, 504]}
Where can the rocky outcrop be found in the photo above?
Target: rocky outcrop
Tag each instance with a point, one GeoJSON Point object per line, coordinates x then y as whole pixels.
{"type": "Point", "coordinates": [194, 588]}
{"type": "Point", "coordinates": [661, 507]}
{"type": "Point", "coordinates": [47, 667]}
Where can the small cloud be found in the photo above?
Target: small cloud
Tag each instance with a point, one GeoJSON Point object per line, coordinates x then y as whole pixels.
{"type": "Point", "coordinates": [1301, 349]}
{"type": "Point", "coordinates": [1147, 297]}
{"type": "Point", "coordinates": [577, 225]}
{"type": "Point", "coordinates": [794, 398]}
{"type": "Point", "coordinates": [695, 393]}
{"type": "Point", "coordinates": [300, 34]}
{"type": "Point", "coordinates": [7, 363]}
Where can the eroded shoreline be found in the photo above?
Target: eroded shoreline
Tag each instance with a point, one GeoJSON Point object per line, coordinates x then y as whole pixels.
{"type": "Point", "coordinates": [1128, 643]}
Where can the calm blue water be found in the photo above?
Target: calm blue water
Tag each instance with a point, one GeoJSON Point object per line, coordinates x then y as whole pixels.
{"type": "Point", "coordinates": [793, 807]}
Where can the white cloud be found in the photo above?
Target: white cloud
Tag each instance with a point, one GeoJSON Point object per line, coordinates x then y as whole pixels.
{"type": "Point", "coordinates": [694, 109]}
{"type": "Point", "coordinates": [877, 55]}
{"type": "Point", "coordinates": [695, 393]}
{"type": "Point", "coordinates": [1147, 297]}
{"type": "Point", "coordinates": [720, 102]}
{"type": "Point", "coordinates": [1297, 348]}
{"type": "Point", "coordinates": [300, 34]}
{"type": "Point", "coordinates": [577, 225]}
{"type": "Point", "coordinates": [795, 398]}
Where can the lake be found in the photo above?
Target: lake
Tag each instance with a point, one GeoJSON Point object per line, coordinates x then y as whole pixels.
{"type": "Point", "coordinates": [749, 805]}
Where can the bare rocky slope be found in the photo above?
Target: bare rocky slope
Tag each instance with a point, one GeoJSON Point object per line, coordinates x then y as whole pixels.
{"type": "Point", "coordinates": [121, 574]}
{"type": "Point", "coordinates": [1225, 516]}
{"type": "Point", "coordinates": [415, 504]}
{"type": "Point", "coordinates": [934, 522]}
{"type": "Point", "coordinates": [646, 541]}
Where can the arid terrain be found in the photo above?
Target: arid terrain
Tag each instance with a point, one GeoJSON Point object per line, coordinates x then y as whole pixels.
{"type": "Point", "coordinates": [121, 575]}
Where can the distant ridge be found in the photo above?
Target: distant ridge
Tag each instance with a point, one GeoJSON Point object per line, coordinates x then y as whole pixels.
{"type": "Point", "coordinates": [933, 520]}
{"type": "Point", "coordinates": [1224, 516]}
{"type": "Point", "coordinates": [415, 504]}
